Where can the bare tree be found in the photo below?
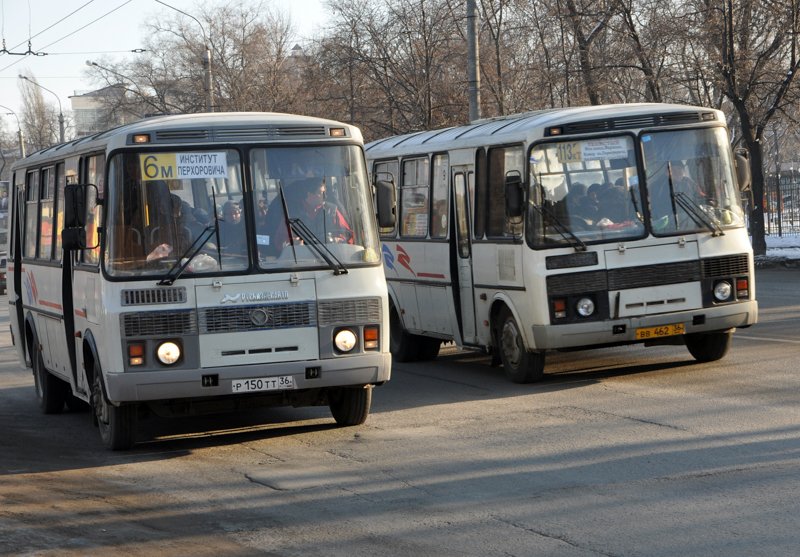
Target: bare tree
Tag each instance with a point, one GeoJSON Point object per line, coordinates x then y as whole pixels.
{"type": "Point", "coordinates": [755, 47]}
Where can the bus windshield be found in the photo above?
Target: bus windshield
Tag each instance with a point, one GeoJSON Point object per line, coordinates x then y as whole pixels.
{"type": "Point", "coordinates": [192, 207]}
{"type": "Point", "coordinates": [584, 190]}
{"type": "Point", "coordinates": [690, 182]}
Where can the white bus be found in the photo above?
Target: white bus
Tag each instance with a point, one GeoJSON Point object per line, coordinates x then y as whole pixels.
{"type": "Point", "coordinates": [564, 229]}
{"type": "Point", "coordinates": [199, 263]}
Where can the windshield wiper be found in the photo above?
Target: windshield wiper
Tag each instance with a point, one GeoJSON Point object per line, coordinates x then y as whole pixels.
{"type": "Point", "coordinates": [183, 261]}
{"type": "Point", "coordinates": [700, 217]}
{"type": "Point", "coordinates": [561, 228]}
{"type": "Point", "coordinates": [317, 245]}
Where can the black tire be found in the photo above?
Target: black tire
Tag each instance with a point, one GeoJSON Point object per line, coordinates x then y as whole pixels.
{"type": "Point", "coordinates": [74, 404]}
{"type": "Point", "coordinates": [117, 424]}
{"type": "Point", "coordinates": [521, 366]}
{"type": "Point", "coordinates": [407, 347]}
{"type": "Point", "coordinates": [708, 347]}
{"type": "Point", "coordinates": [427, 347]}
{"type": "Point", "coordinates": [51, 392]}
{"type": "Point", "coordinates": [350, 405]}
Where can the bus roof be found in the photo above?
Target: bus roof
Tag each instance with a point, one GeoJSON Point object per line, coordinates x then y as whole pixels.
{"type": "Point", "coordinates": [218, 127]}
{"type": "Point", "coordinates": [530, 126]}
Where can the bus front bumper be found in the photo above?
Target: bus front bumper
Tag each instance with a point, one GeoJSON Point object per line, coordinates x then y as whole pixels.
{"type": "Point", "coordinates": [143, 386]}
{"type": "Point", "coordinates": [621, 331]}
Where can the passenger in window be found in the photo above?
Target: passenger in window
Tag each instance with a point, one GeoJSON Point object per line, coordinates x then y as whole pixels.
{"type": "Point", "coordinates": [232, 235]}
{"type": "Point", "coordinates": [325, 219]}
{"type": "Point", "coordinates": [171, 236]}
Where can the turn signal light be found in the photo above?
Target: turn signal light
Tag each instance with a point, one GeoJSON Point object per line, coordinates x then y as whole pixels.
{"type": "Point", "coordinates": [742, 288]}
{"type": "Point", "coordinates": [371, 336]}
{"type": "Point", "coordinates": [135, 354]}
{"type": "Point", "coordinates": [560, 308]}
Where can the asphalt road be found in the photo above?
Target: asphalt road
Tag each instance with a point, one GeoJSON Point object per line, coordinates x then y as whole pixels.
{"type": "Point", "coordinates": [619, 452]}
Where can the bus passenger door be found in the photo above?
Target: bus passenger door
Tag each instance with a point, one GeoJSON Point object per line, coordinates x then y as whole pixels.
{"type": "Point", "coordinates": [465, 301]}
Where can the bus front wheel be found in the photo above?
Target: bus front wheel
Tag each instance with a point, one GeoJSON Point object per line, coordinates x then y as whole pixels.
{"type": "Point", "coordinates": [51, 392]}
{"type": "Point", "coordinates": [117, 424]}
{"type": "Point", "coordinates": [708, 347]}
{"type": "Point", "coordinates": [350, 405]}
{"type": "Point", "coordinates": [407, 347]}
{"type": "Point", "coordinates": [521, 366]}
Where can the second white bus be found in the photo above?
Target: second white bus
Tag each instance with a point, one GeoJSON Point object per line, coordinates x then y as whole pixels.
{"type": "Point", "coordinates": [565, 229]}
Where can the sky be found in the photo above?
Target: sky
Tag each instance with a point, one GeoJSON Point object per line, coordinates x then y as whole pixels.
{"type": "Point", "coordinates": [101, 30]}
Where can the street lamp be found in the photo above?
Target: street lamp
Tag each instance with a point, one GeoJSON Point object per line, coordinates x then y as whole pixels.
{"type": "Point", "coordinates": [209, 90]}
{"type": "Point", "coordinates": [19, 131]}
{"type": "Point", "coordinates": [60, 112]}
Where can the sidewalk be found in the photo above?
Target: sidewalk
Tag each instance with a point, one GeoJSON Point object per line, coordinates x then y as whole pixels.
{"type": "Point", "coordinates": [781, 252]}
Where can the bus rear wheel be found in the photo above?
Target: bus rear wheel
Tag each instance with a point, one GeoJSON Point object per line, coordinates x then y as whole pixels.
{"type": "Point", "coordinates": [520, 365]}
{"type": "Point", "coordinates": [51, 392]}
{"type": "Point", "coordinates": [350, 405]}
{"type": "Point", "coordinates": [708, 347]}
{"type": "Point", "coordinates": [117, 424]}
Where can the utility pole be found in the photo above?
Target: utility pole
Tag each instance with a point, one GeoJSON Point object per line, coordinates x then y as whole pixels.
{"type": "Point", "coordinates": [473, 62]}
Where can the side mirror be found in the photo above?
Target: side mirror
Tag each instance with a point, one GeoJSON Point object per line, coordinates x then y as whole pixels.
{"type": "Point", "coordinates": [743, 175]}
{"type": "Point", "coordinates": [387, 203]}
{"type": "Point", "coordinates": [74, 206]}
{"type": "Point", "coordinates": [73, 238]}
{"type": "Point", "coordinates": [515, 195]}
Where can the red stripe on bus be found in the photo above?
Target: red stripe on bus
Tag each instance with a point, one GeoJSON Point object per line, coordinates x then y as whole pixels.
{"type": "Point", "coordinates": [51, 304]}
{"type": "Point", "coordinates": [430, 275]}
{"type": "Point", "coordinates": [80, 313]}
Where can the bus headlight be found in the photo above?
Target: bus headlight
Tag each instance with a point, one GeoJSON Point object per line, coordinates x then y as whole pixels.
{"type": "Point", "coordinates": [585, 307]}
{"type": "Point", "coordinates": [168, 353]}
{"type": "Point", "coordinates": [345, 340]}
{"type": "Point", "coordinates": [723, 291]}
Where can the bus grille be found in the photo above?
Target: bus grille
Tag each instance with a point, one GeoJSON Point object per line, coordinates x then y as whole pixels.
{"type": "Point", "coordinates": [268, 132]}
{"type": "Point", "coordinates": [653, 275]}
{"type": "Point", "coordinates": [159, 323]}
{"type": "Point", "coordinates": [335, 312]}
{"type": "Point", "coordinates": [726, 266]}
{"type": "Point", "coordinates": [257, 317]}
{"type": "Point", "coordinates": [150, 296]}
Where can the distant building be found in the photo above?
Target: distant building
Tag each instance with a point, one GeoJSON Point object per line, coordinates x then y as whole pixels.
{"type": "Point", "coordinates": [100, 110]}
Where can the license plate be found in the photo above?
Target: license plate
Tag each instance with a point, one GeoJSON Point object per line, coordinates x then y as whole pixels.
{"type": "Point", "coordinates": [662, 331]}
{"type": "Point", "coordinates": [257, 384]}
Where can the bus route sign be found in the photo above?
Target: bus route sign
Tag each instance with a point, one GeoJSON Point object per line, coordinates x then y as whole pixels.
{"type": "Point", "coordinates": [183, 166]}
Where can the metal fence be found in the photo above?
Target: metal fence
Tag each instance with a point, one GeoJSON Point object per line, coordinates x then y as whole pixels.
{"type": "Point", "coordinates": [782, 205]}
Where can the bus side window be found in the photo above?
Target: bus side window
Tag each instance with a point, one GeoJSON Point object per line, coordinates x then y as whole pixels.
{"type": "Point", "coordinates": [439, 207]}
{"type": "Point", "coordinates": [94, 172]}
{"type": "Point", "coordinates": [414, 198]}
{"type": "Point", "coordinates": [501, 161]}
{"type": "Point", "coordinates": [31, 238]}
{"type": "Point", "coordinates": [387, 171]}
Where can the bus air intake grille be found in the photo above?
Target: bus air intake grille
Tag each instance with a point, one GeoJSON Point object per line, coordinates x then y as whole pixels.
{"type": "Point", "coordinates": [158, 323]}
{"type": "Point", "coordinates": [269, 132]}
{"type": "Point", "coordinates": [357, 311]}
{"type": "Point", "coordinates": [727, 266]}
{"type": "Point", "coordinates": [653, 275]}
{"type": "Point", "coordinates": [257, 317]}
{"type": "Point", "coordinates": [152, 296]}
{"type": "Point", "coordinates": [632, 122]}
{"type": "Point", "coordinates": [181, 135]}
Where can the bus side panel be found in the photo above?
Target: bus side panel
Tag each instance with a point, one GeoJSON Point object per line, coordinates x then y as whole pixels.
{"type": "Point", "coordinates": [50, 321]}
{"type": "Point", "coordinates": [87, 296]}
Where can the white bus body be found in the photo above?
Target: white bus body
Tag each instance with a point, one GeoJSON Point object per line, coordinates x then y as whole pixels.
{"type": "Point", "coordinates": [564, 229]}
{"type": "Point", "coordinates": [178, 284]}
